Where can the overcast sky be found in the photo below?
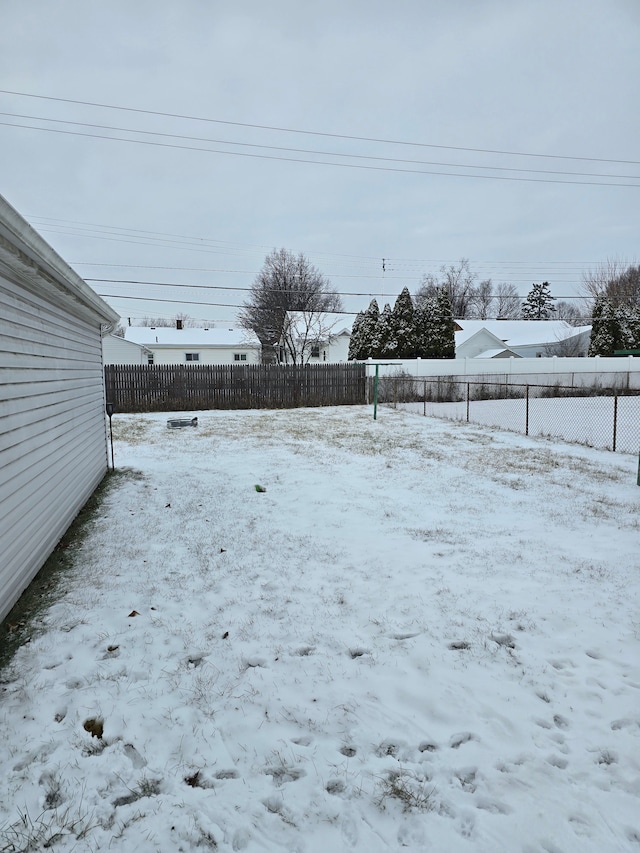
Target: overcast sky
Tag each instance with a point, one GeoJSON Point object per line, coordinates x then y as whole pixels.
{"type": "Point", "coordinates": [428, 87]}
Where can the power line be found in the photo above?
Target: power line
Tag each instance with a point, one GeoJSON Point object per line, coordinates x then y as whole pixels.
{"type": "Point", "coordinates": [117, 232]}
{"type": "Point", "coordinates": [248, 289]}
{"type": "Point", "coordinates": [362, 166]}
{"type": "Point", "coordinates": [280, 148]}
{"type": "Point", "coordinates": [383, 141]}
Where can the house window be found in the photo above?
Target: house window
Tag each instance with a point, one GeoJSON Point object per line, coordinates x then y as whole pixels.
{"type": "Point", "coordinates": [315, 352]}
{"type": "Point", "coordinates": [239, 356]}
{"type": "Point", "coordinates": [150, 358]}
{"type": "Point", "coordinates": [192, 356]}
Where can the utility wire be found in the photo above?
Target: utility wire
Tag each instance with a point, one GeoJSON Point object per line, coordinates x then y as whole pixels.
{"type": "Point", "coordinates": [315, 152]}
{"type": "Point", "coordinates": [115, 231]}
{"type": "Point", "coordinates": [271, 290]}
{"type": "Point", "coordinates": [313, 132]}
{"type": "Point", "coordinates": [362, 166]}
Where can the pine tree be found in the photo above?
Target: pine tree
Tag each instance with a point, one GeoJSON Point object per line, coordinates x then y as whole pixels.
{"type": "Point", "coordinates": [403, 326]}
{"type": "Point", "coordinates": [634, 328]}
{"type": "Point", "coordinates": [607, 332]}
{"type": "Point", "coordinates": [355, 341]}
{"type": "Point", "coordinates": [387, 343]}
{"type": "Point", "coordinates": [444, 338]}
{"type": "Point", "coordinates": [369, 331]}
{"type": "Point", "coordinates": [539, 303]}
{"type": "Point", "coordinates": [424, 319]}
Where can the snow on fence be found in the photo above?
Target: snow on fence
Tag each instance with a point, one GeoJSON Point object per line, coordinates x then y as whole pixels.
{"type": "Point", "coordinates": [607, 418]}
{"type": "Point", "coordinates": [180, 387]}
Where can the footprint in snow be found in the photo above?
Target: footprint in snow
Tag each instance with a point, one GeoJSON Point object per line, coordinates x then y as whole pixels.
{"type": "Point", "coordinates": [624, 723]}
{"type": "Point", "coordinates": [456, 741]}
{"type": "Point", "coordinates": [282, 774]}
{"type": "Point", "coordinates": [494, 806]}
{"type": "Point", "coordinates": [557, 761]}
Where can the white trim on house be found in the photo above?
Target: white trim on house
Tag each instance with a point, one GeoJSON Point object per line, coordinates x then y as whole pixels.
{"type": "Point", "coordinates": [53, 448]}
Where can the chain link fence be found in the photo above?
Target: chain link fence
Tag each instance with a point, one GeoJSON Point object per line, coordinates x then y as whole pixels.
{"type": "Point", "coordinates": [597, 416]}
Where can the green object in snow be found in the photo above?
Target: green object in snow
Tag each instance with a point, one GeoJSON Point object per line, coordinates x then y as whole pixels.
{"type": "Point", "coordinates": [260, 489]}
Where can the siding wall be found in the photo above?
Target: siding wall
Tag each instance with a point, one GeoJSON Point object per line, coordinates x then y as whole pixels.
{"type": "Point", "coordinates": [115, 350]}
{"type": "Point", "coordinates": [53, 450]}
{"type": "Point", "coordinates": [53, 441]}
{"type": "Point", "coordinates": [208, 354]}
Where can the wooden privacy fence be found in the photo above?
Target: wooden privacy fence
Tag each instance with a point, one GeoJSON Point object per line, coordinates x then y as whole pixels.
{"type": "Point", "coordinates": [181, 387]}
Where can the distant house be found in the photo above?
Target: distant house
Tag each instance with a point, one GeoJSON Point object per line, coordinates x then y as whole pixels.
{"type": "Point", "coordinates": [520, 338]}
{"type": "Point", "coordinates": [117, 350]}
{"type": "Point", "coordinates": [168, 345]}
{"type": "Point", "coordinates": [53, 439]}
{"type": "Point", "coordinates": [315, 338]}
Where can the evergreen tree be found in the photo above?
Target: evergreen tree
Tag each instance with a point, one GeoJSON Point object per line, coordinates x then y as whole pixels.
{"type": "Point", "coordinates": [633, 327]}
{"type": "Point", "coordinates": [425, 328]}
{"type": "Point", "coordinates": [444, 327]}
{"type": "Point", "coordinates": [608, 332]}
{"type": "Point", "coordinates": [403, 327]}
{"type": "Point", "coordinates": [387, 343]}
{"type": "Point", "coordinates": [369, 331]}
{"type": "Point", "coordinates": [355, 341]}
{"type": "Point", "coordinates": [539, 303]}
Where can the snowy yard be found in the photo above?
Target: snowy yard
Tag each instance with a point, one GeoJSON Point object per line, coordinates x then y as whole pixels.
{"type": "Point", "coordinates": [423, 635]}
{"type": "Point", "coordinates": [585, 420]}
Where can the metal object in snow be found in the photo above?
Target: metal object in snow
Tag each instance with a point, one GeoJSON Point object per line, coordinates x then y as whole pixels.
{"type": "Point", "coordinates": [176, 423]}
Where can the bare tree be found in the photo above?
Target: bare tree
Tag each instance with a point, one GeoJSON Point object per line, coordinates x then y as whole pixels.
{"type": "Point", "coordinates": [624, 290]}
{"type": "Point", "coordinates": [181, 318]}
{"type": "Point", "coordinates": [571, 313]}
{"type": "Point", "coordinates": [458, 281]}
{"type": "Point", "coordinates": [286, 283]}
{"type": "Point", "coordinates": [482, 300]}
{"type": "Point", "coordinates": [507, 302]}
{"type": "Point", "coordinates": [304, 334]}
{"type": "Point", "coordinates": [596, 282]}
{"type": "Point", "coordinates": [574, 346]}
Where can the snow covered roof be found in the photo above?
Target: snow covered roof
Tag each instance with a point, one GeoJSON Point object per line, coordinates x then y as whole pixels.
{"type": "Point", "coordinates": [505, 352]}
{"type": "Point", "coordinates": [520, 332]}
{"type": "Point", "coordinates": [167, 336]}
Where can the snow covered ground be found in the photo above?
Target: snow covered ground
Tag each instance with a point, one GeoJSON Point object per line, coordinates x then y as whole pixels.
{"type": "Point", "coordinates": [423, 635]}
{"type": "Point", "coordinates": [586, 420]}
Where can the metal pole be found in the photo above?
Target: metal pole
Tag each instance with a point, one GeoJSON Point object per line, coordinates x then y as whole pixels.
{"type": "Point", "coordinates": [113, 466]}
{"type": "Point", "coordinates": [110, 410]}
{"type": "Point", "coordinates": [526, 430]}
{"type": "Point", "coordinates": [424, 407]}
{"type": "Point", "coordinates": [375, 394]}
{"type": "Point", "coordinates": [467, 402]}
{"type": "Point", "coordinates": [615, 420]}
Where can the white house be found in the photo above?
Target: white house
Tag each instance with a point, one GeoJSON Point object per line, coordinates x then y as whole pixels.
{"type": "Point", "coordinates": [520, 338]}
{"type": "Point", "coordinates": [313, 338]}
{"type": "Point", "coordinates": [117, 350]}
{"type": "Point", "coordinates": [169, 345]}
{"type": "Point", "coordinates": [53, 437]}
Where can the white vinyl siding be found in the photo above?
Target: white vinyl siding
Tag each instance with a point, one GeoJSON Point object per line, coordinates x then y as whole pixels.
{"type": "Point", "coordinates": [116, 350]}
{"type": "Point", "coordinates": [53, 448]}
